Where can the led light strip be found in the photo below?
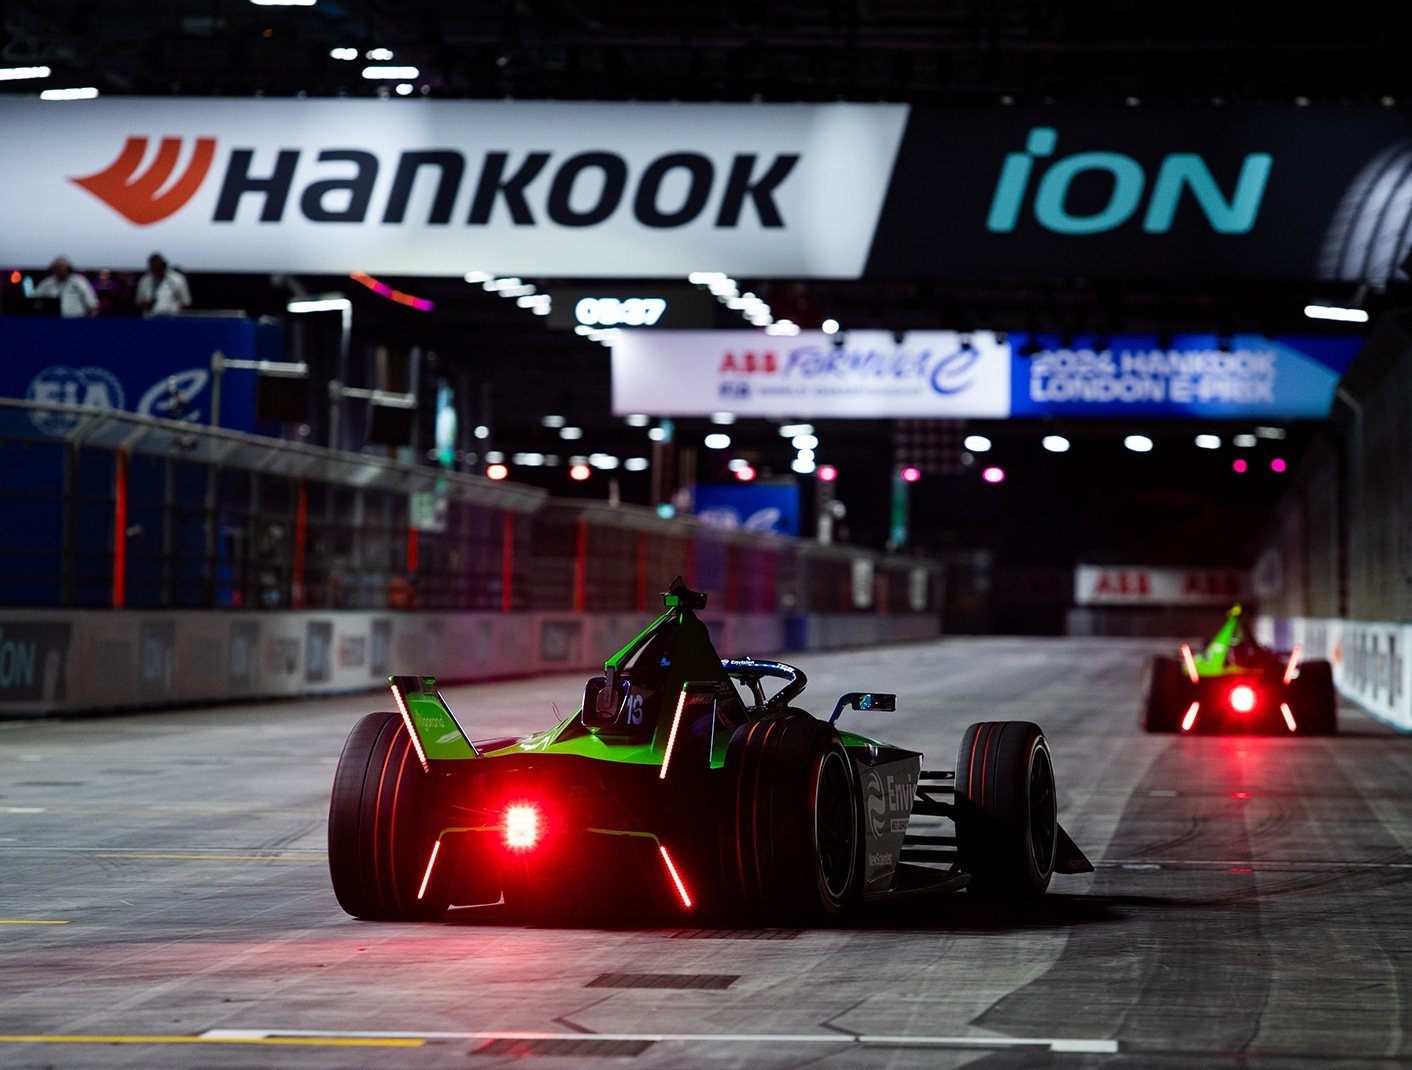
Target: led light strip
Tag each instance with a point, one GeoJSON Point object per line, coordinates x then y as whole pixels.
{"type": "Point", "coordinates": [1190, 718]}
{"type": "Point", "coordinates": [426, 878]}
{"type": "Point", "coordinates": [672, 736]}
{"type": "Point", "coordinates": [411, 728]}
{"type": "Point", "coordinates": [1190, 664]}
{"type": "Point", "coordinates": [1289, 715]}
{"type": "Point", "coordinates": [1293, 664]}
{"type": "Point", "coordinates": [676, 879]}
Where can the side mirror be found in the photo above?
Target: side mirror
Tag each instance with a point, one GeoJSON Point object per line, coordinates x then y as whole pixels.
{"type": "Point", "coordinates": [864, 700]}
{"type": "Point", "coordinates": [602, 701]}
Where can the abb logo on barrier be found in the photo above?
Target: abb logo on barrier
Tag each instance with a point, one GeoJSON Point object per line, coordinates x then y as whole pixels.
{"type": "Point", "coordinates": [1099, 585]}
{"type": "Point", "coordinates": [587, 188]}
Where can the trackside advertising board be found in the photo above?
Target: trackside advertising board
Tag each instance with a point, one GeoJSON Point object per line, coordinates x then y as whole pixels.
{"type": "Point", "coordinates": [630, 190]}
{"type": "Point", "coordinates": [862, 374]}
{"type": "Point", "coordinates": [1126, 585]}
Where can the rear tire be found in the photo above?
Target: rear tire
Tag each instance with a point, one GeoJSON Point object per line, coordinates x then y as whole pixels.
{"type": "Point", "coordinates": [380, 829]}
{"type": "Point", "coordinates": [1007, 817]}
{"type": "Point", "coordinates": [790, 830]}
{"type": "Point", "coordinates": [1315, 702]}
{"type": "Point", "coordinates": [1162, 712]}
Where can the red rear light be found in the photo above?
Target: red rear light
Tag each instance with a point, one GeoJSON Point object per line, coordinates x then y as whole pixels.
{"type": "Point", "coordinates": [1293, 663]}
{"type": "Point", "coordinates": [1190, 663]}
{"type": "Point", "coordinates": [676, 878]}
{"type": "Point", "coordinates": [1190, 718]}
{"type": "Point", "coordinates": [431, 862]}
{"type": "Point", "coordinates": [1242, 699]}
{"type": "Point", "coordinates": [1289, 716]}
{"type": "Point", "coordinates": [522, 826]}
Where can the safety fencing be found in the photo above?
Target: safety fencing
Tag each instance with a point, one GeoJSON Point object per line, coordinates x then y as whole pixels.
{"type": "Point", "coordinates": [1369, 659]}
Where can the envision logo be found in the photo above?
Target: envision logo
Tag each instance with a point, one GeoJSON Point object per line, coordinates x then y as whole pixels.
{"type": "Point", "coordinates": [585, 189]}
{"type": "Point", "coordinates": [1179, 171]}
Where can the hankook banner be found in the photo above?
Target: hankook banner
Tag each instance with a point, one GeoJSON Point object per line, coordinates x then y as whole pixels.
{"type": "Point", "coordinates": [879, 374]}
{"type": "Point", "coordinates": [445, 187]}
{"type": "Point", "coordinates": [630, 190]}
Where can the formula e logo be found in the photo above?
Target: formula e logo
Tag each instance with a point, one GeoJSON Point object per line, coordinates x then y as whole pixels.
{"type": "Point", "coordinates": [136, 197]}
{"type": "Point", "coordinates": [877, 805]}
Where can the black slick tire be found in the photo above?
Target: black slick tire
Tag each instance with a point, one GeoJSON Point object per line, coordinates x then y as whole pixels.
{"type": "Point", "coordinates": [1315, 702]}
{"type": "Point", "coordinates": [380, 832]}
{"type": "Point", "coordinates": [1006, 810]}
{"type": "Point", "coordinates": [790, 829]}
{"type": "Point", "coordinates": [1161, 712]}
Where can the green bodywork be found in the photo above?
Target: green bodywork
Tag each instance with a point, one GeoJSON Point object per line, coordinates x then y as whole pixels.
{"type": "Point", "coordinates": [1217, 660]}
{"type": "Point", "coordinates": [693, 662]}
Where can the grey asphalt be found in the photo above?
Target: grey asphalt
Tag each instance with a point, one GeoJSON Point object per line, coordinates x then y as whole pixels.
{"type": "Point", "coordinates": [1249, 908]}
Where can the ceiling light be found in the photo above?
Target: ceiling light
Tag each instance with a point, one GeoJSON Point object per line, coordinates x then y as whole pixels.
{"type": "Point", "coordinates": [829, 326]}
{"type": "Point", "coordinates": [343, 53]}
{"type": "Point", "coordinates": [805, 442]}
{"type": "Point", "coordinates": [803, 467]}
{"type": "Point", "coordinates": [14, 74]}
{"type": "Point", "coordinates": [717, 441]}
{"type": "Point", "coordinates": [637, 419]}
{"type": "Point", "coordinates": [382, 55]}
{"type": "Point", "coordinates": [791, 430]}
{"type": "Point", "coordinates": [1334, 312]}
{"type": "Point", "coordinates": [605, 461]}
{"type": "Point", "coordinates": [1244, 441]}
{"type": "Point", "coordinates": [404, 88]}
{"type": "Point", "coordinates": [482, 431]}
{"type": "Point", "coordinates": [570, 434]}
{"type": "Point", "coordinates": [786, 327]}
{"type": "Point", "coordinates": [85, 93]}
{"type": "Point", "coordinates": [806, 455]}
{"type": "Point", "coordinates": [398, 73]}
{"type": "Point", "coordinates": [1137, 443]}
{"type": "Point", "coordinates": [552, 421]}
{"type": "Point", "coordinates": [724, 419]}
{"type": "Point", "coordinates": [529, 460]}
{"type": "Point", "coordinates": [636, 464]}
{"type": "Point", "coordinates": [479, 276]}
{"type": "Point", "coordinates": [1055, 443]}
{"type": "Point", "coordinates": [1270, 432]}
{"type": "Point", "coordinates": [1208, 442]}
{"type": "Point", "coordinates": [657, 434]}
{"type": "Point", "coordinates": [977, 443]}
{"type": "Point", "coordinates": [284, 3]}
{"type": "Point", "coordinates": [495, 457]}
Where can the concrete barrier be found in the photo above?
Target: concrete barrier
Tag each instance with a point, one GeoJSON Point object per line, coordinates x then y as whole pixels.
{"type": "Point", "coordinates": [1369, 659]}
{"type": "Point", "coordinates": [68, 661]}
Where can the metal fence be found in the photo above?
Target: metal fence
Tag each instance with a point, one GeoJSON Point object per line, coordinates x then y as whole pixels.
{"type": "Point", "coordinates": [106, 508]}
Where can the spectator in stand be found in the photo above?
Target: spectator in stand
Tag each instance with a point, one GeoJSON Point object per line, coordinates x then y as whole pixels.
{"type": "Point", "coordinates": [74, 292]}
{"type": "Point", "coordinates": [163, 290]}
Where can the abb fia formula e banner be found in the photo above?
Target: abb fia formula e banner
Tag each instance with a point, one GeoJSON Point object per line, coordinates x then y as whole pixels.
{"type": "Point", "coordinates": [856, 374]}
{"type": "Point", "coordinates": [1125, 585]}
{"type": "Point", "coordinates": [444, 187]}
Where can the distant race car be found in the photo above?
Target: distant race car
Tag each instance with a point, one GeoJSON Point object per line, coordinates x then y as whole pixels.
{"type": "Point", "coordinates": [1238, 686]}
{"type": "Point", "coordinates": [668, 793]}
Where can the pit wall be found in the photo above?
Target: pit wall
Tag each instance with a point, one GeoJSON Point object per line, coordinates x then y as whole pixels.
{"type": "Point", "coordinates": [1369, 659]}
{"type": "Point", "coordinates": [89, 660]}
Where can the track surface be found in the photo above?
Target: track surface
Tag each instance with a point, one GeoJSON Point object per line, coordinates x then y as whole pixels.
{"type": "Point", "coordinates": [163, 880]}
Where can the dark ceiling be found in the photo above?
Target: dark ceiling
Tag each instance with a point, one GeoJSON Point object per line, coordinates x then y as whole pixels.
{"type": "Point", "coordinates": [1121, 53]}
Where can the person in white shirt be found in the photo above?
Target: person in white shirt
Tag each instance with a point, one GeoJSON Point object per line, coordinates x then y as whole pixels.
{"type": "Point", "coordinates": [75, 293]}
{"type": "Point", "coordinates": [163, 290]}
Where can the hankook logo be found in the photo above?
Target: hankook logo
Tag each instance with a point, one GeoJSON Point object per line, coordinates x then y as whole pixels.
{"type": "Point", "coordinates": [136, 197]}
{"type": "Point", "coordinates": [580, 190]}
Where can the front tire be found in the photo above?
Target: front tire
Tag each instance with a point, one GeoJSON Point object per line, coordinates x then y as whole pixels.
{"type": "Point", "coordinates": [790, 827]}
{"type": "Point", "coordinates": [1007, 816]}
{"type": "Point", "coordinates": [380, 829]}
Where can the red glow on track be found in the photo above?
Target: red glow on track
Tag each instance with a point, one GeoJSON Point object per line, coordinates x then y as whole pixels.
{"type": "Point", "coordinates": [411, 729]}
{"type": "Point", "coordinates": [1289, 716]}
{"type": "Point", "coordinates": [521, 826]}
{"type": "Point", "coordinates": [676, 878]}
{"type": "Point", "coordinates": [1293, 663]}
{"type": "Point", "coordinates": [382, 289]}
{"type": "Point", "coordinates": [1240, 795]}
{"type": "Point", "coordinates": [672, 738]}
{"type": "Point", "coordinates": [426, 877]}
{"type": "Point", "coordinates": [1241, 869]}
{"type": "Point", "coordinates": [1242, 699]}
{"type": "Point", "coordinates": [1190, 718]}
{"type": "Point", "coordinates": [1190, 664]}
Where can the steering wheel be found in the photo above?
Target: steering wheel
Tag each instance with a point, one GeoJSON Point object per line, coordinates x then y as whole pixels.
{"type": "Point", "coordinates": [750, 672]}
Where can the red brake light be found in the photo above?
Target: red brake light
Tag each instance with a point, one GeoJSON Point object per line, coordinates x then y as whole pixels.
{"type": "Point", "coordinates": [1289, 716]}
{"type": "Point", "coordinates": [1242, 699]}
{"type": "Point", "coordinates": [431, 862]}
{"type": "Point", "coordinates": [521, 826]}
{"type": "Point", "coordinates": [1190, 718]}
{"type": "Point", "coordinates": [1190, 664]}
{"type": "Point", "coordinates": [676, 879]}
{"type": "Point", "coordinates": [1293, 663]}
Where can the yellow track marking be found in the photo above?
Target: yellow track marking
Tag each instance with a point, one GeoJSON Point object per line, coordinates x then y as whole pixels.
{"type": "Point", "coordinates": [342, 1042]}
{"type": "Point", "coordinates": [223, 858]}
{"type": "Point", "coordinates": [26, 921]}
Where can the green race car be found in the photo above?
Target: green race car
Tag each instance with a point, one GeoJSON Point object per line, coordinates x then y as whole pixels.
{"type": "Point", "coordinates": [1238, 686]}
{"type": "Point", "coordinates": [680, 789]}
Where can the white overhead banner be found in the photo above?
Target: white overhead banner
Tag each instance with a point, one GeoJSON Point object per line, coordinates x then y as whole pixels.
{"type": "Point", "coordinates": [853, 374]}
{"type": "Point", "coordinates": [1129, 585]}
{"type": "Point", "coordinates": [444, 187]}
